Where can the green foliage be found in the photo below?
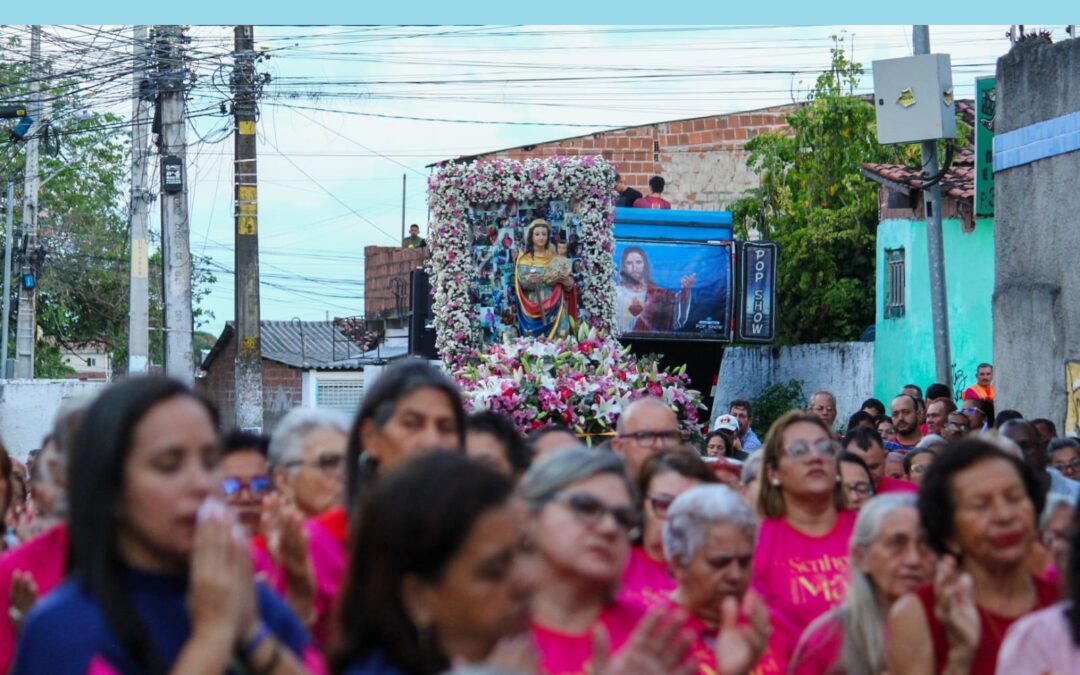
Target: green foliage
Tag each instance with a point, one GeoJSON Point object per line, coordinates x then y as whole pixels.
{"type": "Point", "coordinates": [814, 203]}
{"type": "Point", "coordinates": [83, 284]}
{"type": "Point", "coordinates": [48, 363]}
{"type": "Point", "coordinates": [775, 400]}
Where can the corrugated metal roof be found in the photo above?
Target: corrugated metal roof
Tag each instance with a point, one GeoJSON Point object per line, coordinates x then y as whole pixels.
{"type": "Point", "coordinates": [309, 345]}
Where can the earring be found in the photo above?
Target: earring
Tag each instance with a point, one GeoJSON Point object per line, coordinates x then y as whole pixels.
{"type": "Point", "coordinates": [776, 482]}
{"type": "Point", "coordinates": [839, 478]}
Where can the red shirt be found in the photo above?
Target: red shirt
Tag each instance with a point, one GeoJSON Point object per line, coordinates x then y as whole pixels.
{"type": "Point", "coordinates": [652, 202]}
{"type": "Point", "coordinates": [336, 522]}
{"type": "Point", "coordinates": [993, 627]}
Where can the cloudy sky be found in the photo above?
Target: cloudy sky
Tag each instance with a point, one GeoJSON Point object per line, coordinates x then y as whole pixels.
{"type": "Point", "coordinates": [350, 110]}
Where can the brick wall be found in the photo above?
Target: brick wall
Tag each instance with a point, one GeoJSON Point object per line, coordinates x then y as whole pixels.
{"type": "Point", "coordinates": [381, 265]}
{"type": "Point", "coordinates": [282, 388]}
{"type": "Point", "coordinates": [703, 160]}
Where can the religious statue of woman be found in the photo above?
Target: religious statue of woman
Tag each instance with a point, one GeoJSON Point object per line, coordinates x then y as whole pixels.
{"type": "Point", "coordinates": [544, 285]}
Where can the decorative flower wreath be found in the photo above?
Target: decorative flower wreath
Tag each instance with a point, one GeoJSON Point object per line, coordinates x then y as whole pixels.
{"type": "Point", "coordinates": [584, 181]}
{"type": "Point", "coordinates": [583, 382]}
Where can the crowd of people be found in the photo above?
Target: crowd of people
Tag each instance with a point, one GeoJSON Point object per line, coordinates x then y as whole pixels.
{"type": "Point", "coordinates": [417, 539]}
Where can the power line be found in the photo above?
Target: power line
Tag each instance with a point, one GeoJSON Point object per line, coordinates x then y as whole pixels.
{"type": "Point", "coordinates": [328, 192]}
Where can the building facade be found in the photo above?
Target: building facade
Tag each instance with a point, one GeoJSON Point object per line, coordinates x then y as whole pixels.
{"type": "Point", "coordinates": [703, 159]}
{"type": "Point", "coordinates": [904, 330]}
{"type": "Point", "coordinates": [304, 364]}
{"type": "Point", "coordinates": [1036, 276]}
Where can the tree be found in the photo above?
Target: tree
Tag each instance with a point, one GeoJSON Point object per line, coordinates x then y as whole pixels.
{"type": "Point", "coordinates": [84, 252]}
{"type": "Point", "coordinates": [815, 204]}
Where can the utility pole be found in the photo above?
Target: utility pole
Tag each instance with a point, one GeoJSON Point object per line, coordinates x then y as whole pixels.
{"type": "Point", "coordinates": [139, 292]}
{"type": "Point", "coordinates": [175, 227]}
{"type": "Point", "coordinates": [403, 177]}
{"type": "Point", "coordinates": [246, 86]}
{"type": "Point", "coordinates": [9, 208]}
{"type": "Point", "coordinates": [939, 299]}
{"type": "Point", "coordinates": [26, 328]}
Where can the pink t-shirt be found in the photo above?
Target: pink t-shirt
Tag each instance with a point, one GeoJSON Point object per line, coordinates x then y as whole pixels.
{"type": "Point", "coordinates": [1040, 642]}
{"type": "Point", "coordinates": [44, 557]}
{"type": "Point", "coordinates": [328, 557]}
{"type": "Point", "coordinates": [571, 653]}
{"type": "Point", "coordinates": [645, 581]}
{"type": "Point", "coordinates": [886, 485]}
{"type": "Point", "coordinates": [800, 577]}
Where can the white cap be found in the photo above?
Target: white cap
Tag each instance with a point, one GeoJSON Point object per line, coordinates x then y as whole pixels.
{"type": "Point", "coordinates": [726, 422]}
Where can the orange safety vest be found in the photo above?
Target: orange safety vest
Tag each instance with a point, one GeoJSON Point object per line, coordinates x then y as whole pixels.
{"type": "Point", "coordinates": [980, 392]}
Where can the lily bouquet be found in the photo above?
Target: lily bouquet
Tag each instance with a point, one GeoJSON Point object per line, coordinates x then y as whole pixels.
{"type": "Point", "coordinates": [583, 381]}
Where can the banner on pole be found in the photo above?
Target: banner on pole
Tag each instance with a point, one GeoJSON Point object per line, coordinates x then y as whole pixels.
{"type": "Point", "coordinates": [985, 110]}
{"type": "Point", "coordinates": [757, 292]}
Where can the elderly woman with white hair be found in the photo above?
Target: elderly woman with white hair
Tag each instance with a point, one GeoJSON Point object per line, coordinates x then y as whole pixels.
{"type": "Point", "coordinates": [709, 544]}
{"type": "Point", "coordinates": [304, 561]}
{"type": "Point", "coordinates": [888, 559]}
{"type": "Point", "coordinates": [307, 458]}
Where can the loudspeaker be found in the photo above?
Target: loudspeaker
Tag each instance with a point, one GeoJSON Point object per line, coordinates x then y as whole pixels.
{"type": "Point", "coordinates": [421, 321]}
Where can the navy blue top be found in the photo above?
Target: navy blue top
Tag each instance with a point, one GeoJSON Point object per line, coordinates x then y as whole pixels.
{"type": "Point", "coordinates": [372, 664]}
{"type": "Point", "coordinates": [68, 629]}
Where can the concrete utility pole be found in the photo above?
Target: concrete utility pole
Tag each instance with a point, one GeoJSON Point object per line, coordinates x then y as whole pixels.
{"type": "Point", "coordinates": [939, 299]}
{"type": "Point", "coordinates": [246, 86]}
{"type": "Point", "coordinates": [9, 208]}
{"type": "Point", "coordinates": [175, 227]}
{"type": "Point", "coordinates": [139, 292]}
{"type": "Point", "coordinates": [26, 328]}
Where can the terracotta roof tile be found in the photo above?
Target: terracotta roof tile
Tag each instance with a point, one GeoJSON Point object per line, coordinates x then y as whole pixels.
{"type": "Point", "coordinates": [959, 180]}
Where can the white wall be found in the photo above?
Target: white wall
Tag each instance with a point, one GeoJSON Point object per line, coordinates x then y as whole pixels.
{"type": "Point", "coordinates": [844, 368]}
{"type": "Point", "coordinates": [27, 409]}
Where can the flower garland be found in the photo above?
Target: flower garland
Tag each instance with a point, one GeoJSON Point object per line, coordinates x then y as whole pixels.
{"type": "Point", "coordinates": [586, 180]}
{"type": "Point", "coordinates": [582, 382]}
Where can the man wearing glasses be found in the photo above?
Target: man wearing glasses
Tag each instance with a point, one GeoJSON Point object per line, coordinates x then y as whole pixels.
{"type": "Point", "coordinates": [245, 477]}
{"type": "Point", "coordinates": [307, 458]}
{"type": "Point", "coordinates": [647, 426]}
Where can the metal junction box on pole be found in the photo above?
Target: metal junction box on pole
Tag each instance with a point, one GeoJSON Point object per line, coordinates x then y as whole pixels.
{"type": "Point", "coordinates": [913, 98]}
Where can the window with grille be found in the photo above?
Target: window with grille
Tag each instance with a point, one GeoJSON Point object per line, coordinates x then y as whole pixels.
{"type": "Point", "coordinates": [894, 283]}
{"type": "Point", "coordinates": [341, 395]}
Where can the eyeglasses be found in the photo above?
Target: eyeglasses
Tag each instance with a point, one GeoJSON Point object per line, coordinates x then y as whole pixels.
{"type": "Point", "coordinates": [919, 468]}
{"type": "Point", "coordinates": [956, 426]}
{"type": "Point", "coordinates": [590, 511]}
{"type": "Point", "coordinates": [657, 437]}
{"type": "Point", "coordinates": [1074, 465]}
{"type": "Point", "coordinates": [802, 450]}
{"type": "Point", "coordinates": [859, 489]}
{"type": "Point", "coordinates": [256, 486]}
{"type": "Point", "coordinates": [660, 504]}
{"type": "Point", "coordinates": [329, 462]}
{"type": "Point", "coordinates": [824, 408]}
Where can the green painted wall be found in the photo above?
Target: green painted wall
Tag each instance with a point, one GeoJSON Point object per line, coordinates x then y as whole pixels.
{"type": "Point", "coordinates": [904, 347]}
